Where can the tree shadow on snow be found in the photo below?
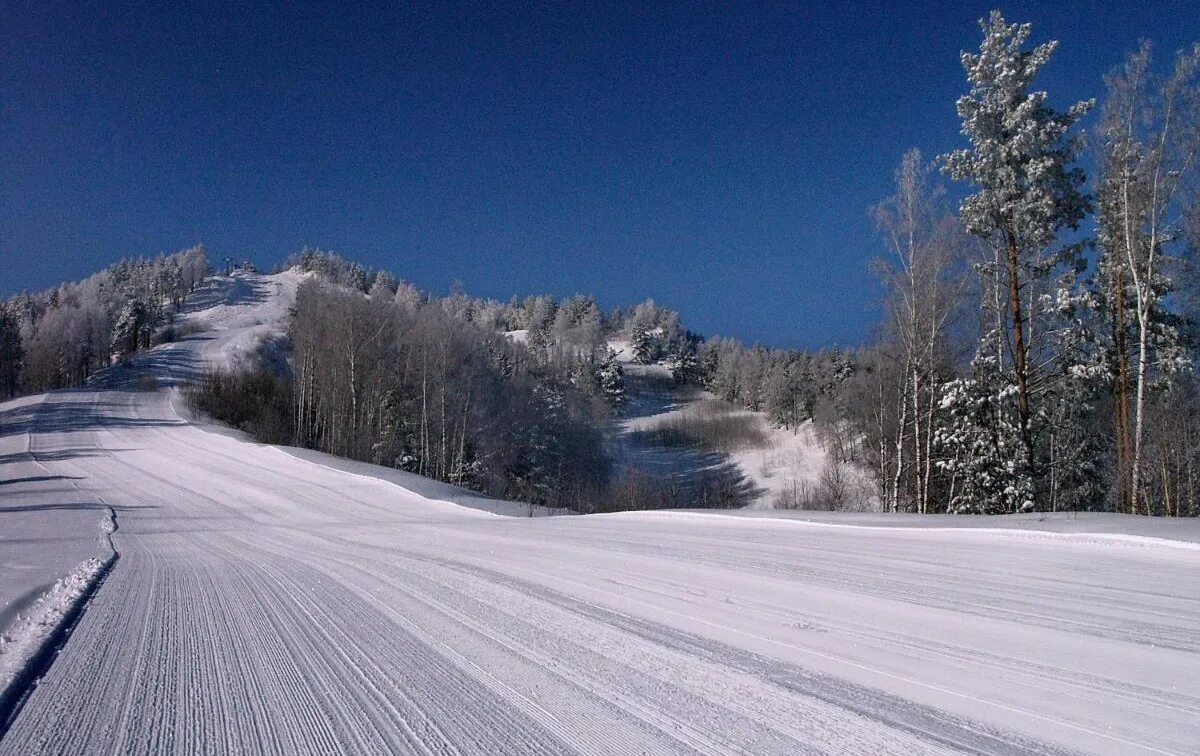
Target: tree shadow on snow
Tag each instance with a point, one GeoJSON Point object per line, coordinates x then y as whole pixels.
{"type": "Point", "coordinates": [38, 479]}
{"type": "Point", "coordinates": [68, 416]}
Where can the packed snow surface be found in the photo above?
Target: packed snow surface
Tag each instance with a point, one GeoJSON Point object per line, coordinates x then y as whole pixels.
{"type": "Point", "coordinates": [268, 603]}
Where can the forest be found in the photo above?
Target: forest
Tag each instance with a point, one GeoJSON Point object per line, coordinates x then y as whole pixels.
{"type": "Point", "coordinates": [513, 399]}
{"type": "Point", "coordinates": [1036, 349]}
{"type": "Point", "coordinates": [59, 337]}
{"type": "Point", "coordinates": [1038, 346]}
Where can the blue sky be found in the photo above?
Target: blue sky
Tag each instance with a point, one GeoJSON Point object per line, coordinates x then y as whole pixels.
{"type": "Point", "coordinates": [719, 157]}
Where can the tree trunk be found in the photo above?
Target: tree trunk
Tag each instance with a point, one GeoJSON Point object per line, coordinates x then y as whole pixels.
{"type": "Point", "coordinates": [1124, 452]}
{"type": "Point", "coordinates": [902, 421]}
{"type": "Point", "coordinates": [1020, 358]}
{"type": "Point", "coordinates": [1140, 409]}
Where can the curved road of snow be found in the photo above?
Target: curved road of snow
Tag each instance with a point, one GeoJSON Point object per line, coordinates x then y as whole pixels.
{"type": "Point", "coordinates": [266, 604]}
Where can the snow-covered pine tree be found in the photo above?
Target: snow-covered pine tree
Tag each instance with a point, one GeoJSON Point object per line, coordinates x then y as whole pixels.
{"type": "Point", "coordinates": [610, 379]}
{"type": "Point", "coordinates": [982, 450]}
{"type": "Point", "coordinates": [682, 361]}
{"type": "Point", "coordinates": [128, 331]}
{"type": "Point", "coordinates": [642, 344]}
{"type": "Point", "coordinates": [1020, 162]}
{"type": "Point", "coordinates": [1076, 454]}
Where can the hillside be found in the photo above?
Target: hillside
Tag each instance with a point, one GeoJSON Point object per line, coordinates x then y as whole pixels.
{"type": "Point", "coordinates": [269, 602]}
{"type": "Point", "coordinates": [686, 434]}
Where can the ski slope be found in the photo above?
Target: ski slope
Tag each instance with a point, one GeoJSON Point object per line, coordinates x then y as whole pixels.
{"type": "Point", "coordinates": [265, 602]}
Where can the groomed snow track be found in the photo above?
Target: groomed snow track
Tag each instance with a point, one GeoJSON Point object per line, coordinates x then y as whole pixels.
{"type": "Point", "coordinates": [265, 604]}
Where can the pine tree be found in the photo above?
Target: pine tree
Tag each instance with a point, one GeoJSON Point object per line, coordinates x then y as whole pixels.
{"type": "Point", "coordinates": [983, 453]}
{"type": "Point", "coordinates": [128, 332]}
{"type": "Point", "coordinates": [643, 345]}
{"type": "Point", "coordinates": [610, 378]}
{"type": "Point", "coordinates": [1026, 191]}
{"type": "Point", "coordinates": [682, 362]}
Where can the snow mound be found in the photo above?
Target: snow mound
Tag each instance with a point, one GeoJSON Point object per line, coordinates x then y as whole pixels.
{"type": "Point", "coordinates": [34, 632]}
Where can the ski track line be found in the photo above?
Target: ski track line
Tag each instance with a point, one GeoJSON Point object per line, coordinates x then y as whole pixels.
{"type": "Point", "coordinates": [689, 736]}
{"type": "Point", "coordinates": [864, 667]}
{"type": "Point", "coordinates": [408, 589]}
{"type": "Point", "coordinates": [919, 594]}
{"type": "Point", "coordinates": [698, 710]}
{"type": "Point", "coordinates": [524, 647]}
{"type": "Point", "coordinates": [658, 638]}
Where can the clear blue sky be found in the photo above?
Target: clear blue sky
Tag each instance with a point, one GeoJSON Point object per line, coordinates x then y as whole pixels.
{"type": "Point", "coordinates": [719, 157]}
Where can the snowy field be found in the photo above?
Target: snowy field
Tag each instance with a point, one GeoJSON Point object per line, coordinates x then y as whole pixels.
{"type": "Point", "coordinates": [269, 602]}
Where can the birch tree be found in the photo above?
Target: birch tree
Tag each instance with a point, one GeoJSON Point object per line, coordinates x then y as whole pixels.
{"type": "Point", "coordinates": [1149, 137]}
{"type": "Point", "coordinates": [921, 292]}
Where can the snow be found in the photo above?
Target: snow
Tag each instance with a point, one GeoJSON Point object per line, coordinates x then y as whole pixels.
{"type": "Point", "coordinates": [787, 460]}
{"type": "Point", "coordinates": [48, 520]}
{"type": "Point", "coordinates": [238, 313]}
{"type": "Point", "coordinates": [624, 350]}
{"type": "Point", "coordinates": [31, 634]}
{"type": "Point", "coordinates": [519, 336]}
{"type": "Point", "coordinates": [28, 635]}
{"type": "Point", "coordinates": [269, 602]}
{"type": "Point", "coordinates": [792, 459]}
{"type": "Point", "coordinates": [1177, 531]}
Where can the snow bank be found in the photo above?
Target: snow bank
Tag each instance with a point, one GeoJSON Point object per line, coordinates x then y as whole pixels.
{"type": "Point", "coordinates": [1098, 530]}
{"type": "Point", "coordinates": [26, 646]}
{"type": "Point", "coordinates": [426, 488]}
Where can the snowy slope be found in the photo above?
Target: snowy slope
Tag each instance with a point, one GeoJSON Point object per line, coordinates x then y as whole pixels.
{"type": "Point", "coordinates": [266, 604]}
{"type": "Point", "coordinates": [788, 459]}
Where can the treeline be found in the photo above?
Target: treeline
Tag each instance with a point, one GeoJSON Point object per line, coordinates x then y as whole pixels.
{"type": "Point", "coordinates": [789, 385]}
{"type": "Point", "coordinates": [57, 338]}
{"type": "Point", "coordinates": [385, 373]}
{"type": "Point", "coordinates": [1038, 347]}
{"type": "Point", "coordinates": [427, 389]}
{"type": "Point", "coordinates": [512, 399]}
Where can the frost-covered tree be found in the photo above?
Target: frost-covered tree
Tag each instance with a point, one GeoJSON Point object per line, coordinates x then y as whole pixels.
{"type": "Point", "coordinates": [577, 330]}
{"type": "Point", "coordinates": [1149, 138]}
{"type": "Point", "coordinates": [643, 345]}
{"type": "Point", "coordinates": [408, 297]}
{"type": "Point", "coordinates": [985, 456]}
{"type": "Point", "coordinates": [923, 279]}
{"type": "Point", "coordinates": [1026, 192]}
{"type": "Point", "coordinates": [682, 361]}
{"type": "Point", "coordinates": [384, 286]}
{"type": "Point", "coordinates": [129, 332]}
{"type": "Point", "coordinates": [610, 379]}
{"type": "Point", "coordinates": [11, 352]}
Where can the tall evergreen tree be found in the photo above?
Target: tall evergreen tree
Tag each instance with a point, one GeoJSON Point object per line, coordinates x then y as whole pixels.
{"type": "Point", "coordinates": [1020, 163]}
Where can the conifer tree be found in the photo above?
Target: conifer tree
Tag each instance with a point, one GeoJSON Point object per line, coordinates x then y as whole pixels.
{"type": "Point", "coordinates": [1027, 191]}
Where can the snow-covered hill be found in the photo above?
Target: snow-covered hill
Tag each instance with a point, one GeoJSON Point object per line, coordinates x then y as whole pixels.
{"type": "Point", "coordinates": [264, 602]}
{"type": "Point", "coordinates": [776, 466]}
